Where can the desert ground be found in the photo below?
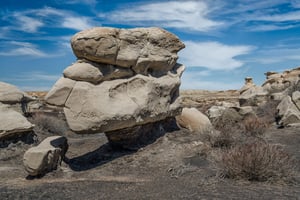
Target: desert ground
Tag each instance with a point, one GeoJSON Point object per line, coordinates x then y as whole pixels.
{"type": "Point", "coordinates": [177, 165]}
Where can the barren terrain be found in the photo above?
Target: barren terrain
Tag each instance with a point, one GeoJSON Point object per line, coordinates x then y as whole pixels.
{"type": "Point", "coordinates": [176, 166]}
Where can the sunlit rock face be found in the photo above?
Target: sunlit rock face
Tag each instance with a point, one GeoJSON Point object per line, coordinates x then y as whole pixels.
{"type": "Point", "coordinates": [123, 78]}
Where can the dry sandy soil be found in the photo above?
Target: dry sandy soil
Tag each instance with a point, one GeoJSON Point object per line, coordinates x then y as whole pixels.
{"type": "Point", "coordinates": [175, 166]}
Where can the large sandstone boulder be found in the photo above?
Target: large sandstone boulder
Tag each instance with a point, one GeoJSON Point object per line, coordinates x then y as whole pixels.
{"type": "Point", "coordinates": [123, 79]}
{"type": "Point", "coordinates": [13, 123]}
{"type": "Point", "coordinates": [145, 50]}
{"type": "Point", "coordinates": [193, 120]}
{"type": "Point", "coordinates": [46, 156]}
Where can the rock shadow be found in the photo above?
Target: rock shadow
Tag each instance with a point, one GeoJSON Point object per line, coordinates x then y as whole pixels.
{"type": "Point", "coordinates": [117, 148]}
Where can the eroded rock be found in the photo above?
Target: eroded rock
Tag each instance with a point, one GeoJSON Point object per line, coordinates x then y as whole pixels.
{"type": "Point", "coordinates": [46, 156]}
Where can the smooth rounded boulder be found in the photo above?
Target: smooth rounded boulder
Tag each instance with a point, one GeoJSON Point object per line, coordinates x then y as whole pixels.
{"type": "Point", "coordinates": [193, 120]}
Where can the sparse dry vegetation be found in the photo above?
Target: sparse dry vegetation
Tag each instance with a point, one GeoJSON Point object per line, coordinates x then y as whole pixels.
{"type": "Point", "coordinates": [254, 126]}
{"type": "Point", "coordinates": [257, 161]}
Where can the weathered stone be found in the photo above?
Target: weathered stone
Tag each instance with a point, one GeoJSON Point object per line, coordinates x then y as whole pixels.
{"type": "Point", "coordinates": [248, 84]}
{"type": "Point", "coordinates": [215, 111]}
{"type": "Point", "coordinates": [95, 73]}
{"type": "Point", "coordinates": [253, 96]}
{"type": "Point", "coordinates": [12, 123]}
{"type": "Point", "coordinates": [193, 120]}
{"type": "Point", "coordinates": [288, 112]}
{"type": "Point", "coordinates": [122, 103]}
{"type": "Point", "coordinates": [46, 156]}
{"type": "Point", "coordinates": [60, 92]}
{"type": "Point", "coordinates": [296, 98]}
{"type": "Point", "coordinates": [137, 136]}
{"type": "Point", "coordinates": [145, 50]}
{"type": "Point", "coordinates": [10, 94]}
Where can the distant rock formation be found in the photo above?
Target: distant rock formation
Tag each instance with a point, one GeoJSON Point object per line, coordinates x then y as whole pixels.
{"type": "Point", "coordinates": [122, 78]}
{"type": "Point", "coordinates": [13, 103]}
{"type": "Point", "coordinates": [283, 87]}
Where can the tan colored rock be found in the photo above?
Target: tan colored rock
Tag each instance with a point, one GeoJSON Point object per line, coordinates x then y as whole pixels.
{"type": "Point", "coordinates": [145, 50]}
{"type": "Point", "coordinates": [95, 73]}
{"type": "Point", "coordinates": [296, 99]}
{"type": "Point", "coordinates": [193, 120]}
{"type": "Point", "coordinates": [253, 96]}
{"type": "Point", "coordinates": [122, 103]}
{"type": "Point", "coordinates": [248, 84]}
{"type": "Point", "coordinates": [46, 156]}
{"type": "Point", "coordinates": [10, 94]}
{"type": "Point", "coordinates": [288, 112]}
{"type": "Point", "coordinates": [84, 71]}
{"type": "Point", "coordinates": [60, 92]}
{"type": "Point", "coordinates": [12, 123]}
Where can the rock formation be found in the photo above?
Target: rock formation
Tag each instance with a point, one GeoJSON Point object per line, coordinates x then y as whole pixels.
{"type": "Point", "coordinates": [46, 156]}
{"type": "Point", "coordinates": [122, 78]}
{"type": "Point", "coordinates": [13, 103]}
{"type": "Point", "coordinates": [283, 87]}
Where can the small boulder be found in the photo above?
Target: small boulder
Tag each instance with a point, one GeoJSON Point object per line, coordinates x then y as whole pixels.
{"type": "Point", "coordinates": [46, 156]}
{"type": "Point", "coordinates": [193, 120]}
{"type": "Point", "coordinates": [12, 123]}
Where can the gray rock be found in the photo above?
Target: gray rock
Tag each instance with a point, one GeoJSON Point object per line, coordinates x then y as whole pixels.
{"type": "Point", "coordinates": [95, 73]}
{"type": "Point", "coordinates": [253, 96]}
{"type": "Point", "coordinates": [10, 94]}
{"type": "Point", "coordinates": [46, 156]}
{"type": "Point", "coordinates": [13, 123]}
{"type": "Point", "coordinates": [296, 98]}
{"type": "Point", "coordinates": [288, 112]}
{"type": "Point", "coordinates": [60, 92]}
{"type": "Point", "coordinates": [122, 103]}
{"type": "Point", "coordinates": [145, 50]}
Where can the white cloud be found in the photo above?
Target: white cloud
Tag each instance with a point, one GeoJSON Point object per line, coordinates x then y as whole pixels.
{"type": "Point", "coordinates": [77, 23]}
{"type": "Point", "coordinates": [291, 16]}
{"type": "Point", "coordinates": [271, 27]}
{"type": "Point", "coordinates": [34, 19]}
{"type": "Point", "coordinates": [22, 49]}
{"type": "Point", "coordinates": [191, 15]}
{"type": "Point", "coordinates": [213, 55]}
{"type": "Point", "coordinates": [28, 24]}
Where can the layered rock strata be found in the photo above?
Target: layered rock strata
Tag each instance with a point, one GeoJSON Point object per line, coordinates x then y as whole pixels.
{"type": "Point", "coordinates": [123, 78]}
{"type": "Point", "coordinates": [13, 104]}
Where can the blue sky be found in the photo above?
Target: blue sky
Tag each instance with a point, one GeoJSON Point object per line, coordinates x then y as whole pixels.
{"type": "Point", "coordinates": [225, 40]}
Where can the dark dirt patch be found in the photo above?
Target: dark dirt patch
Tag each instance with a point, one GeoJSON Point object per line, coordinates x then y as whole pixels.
{"type": "Point", "coordinates": [175, 166]}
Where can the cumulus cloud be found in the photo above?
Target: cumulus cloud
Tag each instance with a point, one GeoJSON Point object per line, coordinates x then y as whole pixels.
{"type": "Point", "coordinates": [191, 15]}
{"type": "Point", "coordinates": [213, 55]}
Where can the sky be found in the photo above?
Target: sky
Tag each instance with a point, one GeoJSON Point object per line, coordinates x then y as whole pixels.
{"type": "Point", "coordinates": [226, 41]}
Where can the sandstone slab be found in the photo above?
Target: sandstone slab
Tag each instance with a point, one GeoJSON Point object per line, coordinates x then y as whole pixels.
{"type": "Point", "coordinates": [12, 123]}
{"type": "Point", "coordinates": [46, 156]}
{"type": "Point", "coordinates": [145, 50]}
